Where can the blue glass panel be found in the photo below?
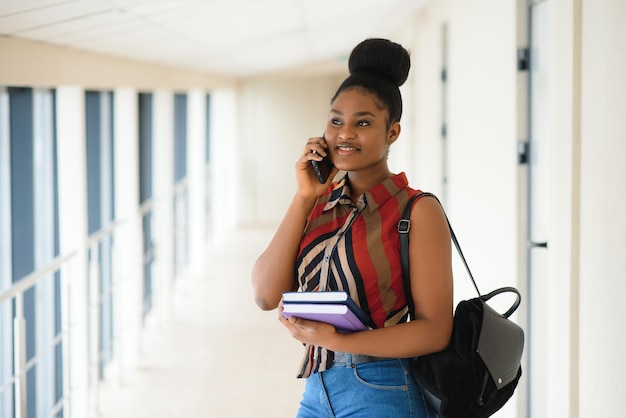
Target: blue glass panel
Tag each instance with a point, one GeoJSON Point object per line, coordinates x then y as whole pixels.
{"type": "Point", "coordinates": [93, 129]}
{"type": "Point", "coordinates": [145, 146]}
{"type": "Point", "coordinates": [22, 182]}
{"type": "Point", "coordinates": [180, 136]}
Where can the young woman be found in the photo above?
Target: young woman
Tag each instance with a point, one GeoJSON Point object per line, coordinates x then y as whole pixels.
{"type": "Point", "coordinates": [343, 236]}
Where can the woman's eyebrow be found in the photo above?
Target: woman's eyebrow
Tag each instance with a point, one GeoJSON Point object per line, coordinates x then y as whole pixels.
{"type": "Point", "coordinates": [362, 113]}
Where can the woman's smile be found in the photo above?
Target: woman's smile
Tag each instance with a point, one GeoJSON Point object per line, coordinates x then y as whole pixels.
{"type": "Point", "coordinates": [345, 150]}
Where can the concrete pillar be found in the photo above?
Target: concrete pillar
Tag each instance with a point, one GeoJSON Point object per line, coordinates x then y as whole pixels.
{"type": "Point", "coordinates": [163, 193]}
{"type": "Point", "coordinates": [196, 169]}
{"type": "Point", "coordinates": [72, 177]}
{"type": "Point", "coordinates": [128, 262]}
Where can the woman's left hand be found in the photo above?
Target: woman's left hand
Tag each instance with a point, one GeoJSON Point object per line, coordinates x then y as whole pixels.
{"type": "Point", "coordinates": [306, 331]}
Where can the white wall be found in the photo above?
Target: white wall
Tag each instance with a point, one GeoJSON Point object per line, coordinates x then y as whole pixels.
{"type": "Point", "coordinates": [276, 118]}
{"type": "Point", "coordinates": [23, 61]}
{"type": "Point", "coordinates": [482, 117]}
{"type": "Point", "coordinates": [602, 207]}
{"type": "Point", "coordinates": [226, 158]}
{"type": "Point", "coordinates": [587, 95]}
{"type": "Point", "coordinates": [564, 133]}
{"type": "Point", "coordinates": [481, 193]}
{"type": "Point", "coordinates": [482, 171]}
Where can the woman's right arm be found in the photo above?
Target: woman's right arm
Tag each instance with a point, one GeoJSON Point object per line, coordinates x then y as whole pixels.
{"type": "Point", "coordinates": [275, 270]}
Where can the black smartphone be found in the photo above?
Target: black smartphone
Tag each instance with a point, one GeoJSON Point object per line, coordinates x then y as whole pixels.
{"type": "Point", "coordinates": [322, 169]}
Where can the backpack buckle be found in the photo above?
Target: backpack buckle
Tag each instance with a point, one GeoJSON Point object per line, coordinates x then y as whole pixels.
{"type": "Point", "coordinates": [404, 226]}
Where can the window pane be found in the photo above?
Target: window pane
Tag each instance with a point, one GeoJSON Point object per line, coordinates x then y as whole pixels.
{"type": "Point", "coordinates": [180, 169]}
{"type": "Point", "coordinates": [44, 301]}
{"type": "Point", "coordinates": [29, 205]}
{"type": "Point", "coordinates": [145, 146]}
{"type": "Point", "coordinates": [180, 136]}
{"type": "Point", "coordinates": [92, 125]}
{"type": "Point", "coordinates": [100, 152]}
{"type": "Point", "coordinates": [21, 175]}
{"type": "Point", "coordinates": [145, 193]}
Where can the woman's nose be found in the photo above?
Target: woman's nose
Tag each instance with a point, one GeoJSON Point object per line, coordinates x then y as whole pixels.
{"type": "Point", "coordinates": [345, 132]}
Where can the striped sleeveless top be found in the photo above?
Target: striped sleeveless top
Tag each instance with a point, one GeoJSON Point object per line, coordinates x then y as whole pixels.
{"type": "Point", "coordinates": [355, 247]}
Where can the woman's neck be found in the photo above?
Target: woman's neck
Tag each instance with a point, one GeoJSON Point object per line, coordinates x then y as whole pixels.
{"type": "Point", "coordinates": [360, 182]}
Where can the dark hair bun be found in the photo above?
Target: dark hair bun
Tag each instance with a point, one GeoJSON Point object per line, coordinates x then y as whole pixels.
{"type": "Point", "coordinates": [381, 57]}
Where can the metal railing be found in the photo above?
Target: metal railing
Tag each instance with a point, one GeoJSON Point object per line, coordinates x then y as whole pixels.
{"type": "Point", "coordinates": [64, 270]}
{"type": "Point", "coordinates": [94, 303]}
{"type": "Point", "coordinates": [20, 365]}
{"type": "Point", "coordinates": [58, 267]}
{"type": "Point", "coordinates": [148, 253]}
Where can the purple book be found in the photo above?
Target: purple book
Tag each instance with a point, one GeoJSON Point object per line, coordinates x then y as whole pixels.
{"type": "Point", "coordinates": [335, 308]}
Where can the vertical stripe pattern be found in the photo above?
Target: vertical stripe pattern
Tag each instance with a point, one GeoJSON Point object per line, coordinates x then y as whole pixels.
{"type": "Point", "coordinates": [355, 247]}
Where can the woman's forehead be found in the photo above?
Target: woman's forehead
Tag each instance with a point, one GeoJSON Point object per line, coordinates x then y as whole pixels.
{"type": "Point", "coordinates": [357, 98]}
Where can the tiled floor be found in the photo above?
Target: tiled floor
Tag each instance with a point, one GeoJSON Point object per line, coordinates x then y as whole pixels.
{"type": "Point", "coordinates": [218, 355]}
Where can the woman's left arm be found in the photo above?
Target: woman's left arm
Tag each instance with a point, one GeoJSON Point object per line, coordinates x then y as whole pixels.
{"type": "Point", "coordinates": [431, 288]}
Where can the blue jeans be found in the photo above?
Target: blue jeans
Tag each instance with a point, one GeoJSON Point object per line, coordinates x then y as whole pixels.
{"type": "Point", "coordinates": [381, 389]}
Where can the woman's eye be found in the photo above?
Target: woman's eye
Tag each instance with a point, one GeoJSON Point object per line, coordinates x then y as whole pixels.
{"type": "Point", "coordinates": [363, 123]}
{"type": "Point", "coordinates": [335, 122]}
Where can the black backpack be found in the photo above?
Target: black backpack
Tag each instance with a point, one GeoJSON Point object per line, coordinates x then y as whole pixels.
{"type": "Point", "coordinates": [479, 370]}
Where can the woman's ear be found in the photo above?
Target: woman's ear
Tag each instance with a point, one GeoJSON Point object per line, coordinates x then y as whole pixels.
{"type": "Point", "coordinates": [393, 133]}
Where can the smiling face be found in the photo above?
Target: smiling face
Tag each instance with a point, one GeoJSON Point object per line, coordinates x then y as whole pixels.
{"type": "Point", "coordinates": [358, 133]}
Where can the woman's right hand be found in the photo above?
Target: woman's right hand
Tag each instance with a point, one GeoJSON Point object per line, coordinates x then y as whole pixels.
{"type": "Point", "coordinates": [307, 181]}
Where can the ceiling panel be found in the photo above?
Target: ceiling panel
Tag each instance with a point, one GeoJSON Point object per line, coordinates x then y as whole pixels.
{"type": "Point", "coordinates": [56, 14]}
{"type": "Point", "coordinates": [8, 7]}
{"type": "Point", "coordinates": [232, 37]}
{"type": "Point", "coordinates": [79, 31]}
{"type": "Point", "coordinates": [148, 8]}
{"type": "Point", "coordinates": [245, 21]}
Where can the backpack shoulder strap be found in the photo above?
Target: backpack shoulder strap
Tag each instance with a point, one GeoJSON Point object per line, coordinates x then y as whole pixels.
{"type": "Point", "coordinates": [404, 226]}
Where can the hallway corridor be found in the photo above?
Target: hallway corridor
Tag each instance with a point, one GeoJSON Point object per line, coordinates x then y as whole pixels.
{"type": "Point", "coordinates": [215, 354]}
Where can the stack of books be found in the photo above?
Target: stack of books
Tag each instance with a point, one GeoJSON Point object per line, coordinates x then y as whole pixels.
{"type": "Point", "coordinates": [332, 307]}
